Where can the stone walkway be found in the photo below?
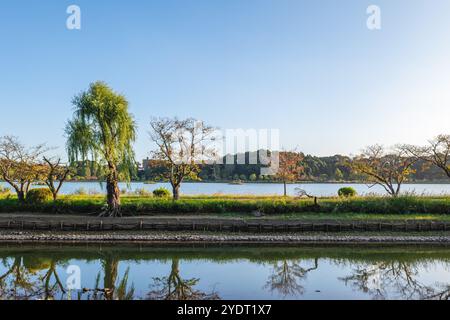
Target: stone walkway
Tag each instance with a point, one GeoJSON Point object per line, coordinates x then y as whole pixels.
{"type": "Point", "coordinates": [184, 237]}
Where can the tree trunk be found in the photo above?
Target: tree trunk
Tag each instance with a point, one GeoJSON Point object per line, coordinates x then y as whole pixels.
{"type": "Point", "coordinates": [176, 192]}
{"type": "Point", "coordinates": [21, 196]}
{"type": "Point", "coordinates": [447, 171]}
{"type": "Point", "coordinates": [285, 188]}
{"type": "Point", "coordinates": [52, 189]}
{"type": "Point", "coordinates": [113, 197]}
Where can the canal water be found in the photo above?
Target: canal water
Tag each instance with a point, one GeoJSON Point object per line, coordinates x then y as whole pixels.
{"type": "Point", "coordinates": [224, 272]}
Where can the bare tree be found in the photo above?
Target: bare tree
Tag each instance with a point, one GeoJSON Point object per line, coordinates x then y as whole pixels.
{"type": "Point", "coordinates": [183, 145]}
{"type": "Point", "coordinates": [56, 174]}
{"type": "Point", "coordinates": [436, 153]}
{"type": "Point", "coordinates": [387, 169]}
{"type": "Point", "coordinates": [19, 166]}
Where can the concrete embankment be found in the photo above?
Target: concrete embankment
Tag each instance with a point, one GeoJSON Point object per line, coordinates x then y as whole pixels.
{"type": "Point", "coordinates": [17, 228]}
{"type": "Point", "coordinates": [32, 222]}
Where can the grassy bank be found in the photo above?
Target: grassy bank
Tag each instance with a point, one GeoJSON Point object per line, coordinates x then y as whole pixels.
{"type": "Point", "coordinates": [223, 205]}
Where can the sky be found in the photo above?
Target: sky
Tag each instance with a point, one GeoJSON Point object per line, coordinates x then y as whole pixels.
{"type": "Point", "coordinates": [311, 69]}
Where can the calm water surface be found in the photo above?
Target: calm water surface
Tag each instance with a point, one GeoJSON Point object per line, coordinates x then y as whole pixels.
{"type": "Point", "coordinates": [133, 272]}
{"type": "Point", "coordinates": [317, 189]}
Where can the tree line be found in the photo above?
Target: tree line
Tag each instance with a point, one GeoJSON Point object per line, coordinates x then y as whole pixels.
{"type": "Point", "coordinates": [102, 131]}
{"type": "Point", "coordinates": [315, 169]}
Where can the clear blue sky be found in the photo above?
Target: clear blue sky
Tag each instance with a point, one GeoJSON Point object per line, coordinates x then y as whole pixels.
{"type": "Point", "coordinates": [310, 68]}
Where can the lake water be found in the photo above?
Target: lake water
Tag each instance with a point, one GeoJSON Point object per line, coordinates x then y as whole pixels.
{"type": "Point", "coordinates": [317, 189]}
{"type": "Point", "coordinates": [237, 272]}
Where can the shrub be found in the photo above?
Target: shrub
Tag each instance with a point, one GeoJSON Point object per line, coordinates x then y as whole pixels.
{"type": "Point", "coordinates": [39, 196]}
{"type": "Point", "coordinates": [161, 193]}
{"type": "Point", "coordinates": [347, 192]}
{"type": "Point", "coordinates": [253, 177]}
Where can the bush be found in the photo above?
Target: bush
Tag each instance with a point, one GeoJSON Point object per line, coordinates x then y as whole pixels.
{"type": "Point", "coordinates": [347, 192]}
{"type": "Point", "coordinates": [39, 196]}
{"type": "Point", "coordinates": [161, 193]}
{"type": "Point", "coordinates": [253, 177]}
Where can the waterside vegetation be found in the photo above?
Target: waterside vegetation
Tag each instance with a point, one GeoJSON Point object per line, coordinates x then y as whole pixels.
{"type": "Point", "coordinates": [259, 206]}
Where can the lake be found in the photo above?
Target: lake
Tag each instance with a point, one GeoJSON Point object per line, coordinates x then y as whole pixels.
{"type": "Point", "coordinates": [317, 189]}
{"type": "Point", "coordinates": [224, 272]}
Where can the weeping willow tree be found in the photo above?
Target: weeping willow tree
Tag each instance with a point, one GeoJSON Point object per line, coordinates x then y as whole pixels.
{"type": "Point", "coordinates": [102, 129]}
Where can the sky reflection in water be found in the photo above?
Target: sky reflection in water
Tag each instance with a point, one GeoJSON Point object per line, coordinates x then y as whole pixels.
{"type": "Point", "coordinates": [134, 272]}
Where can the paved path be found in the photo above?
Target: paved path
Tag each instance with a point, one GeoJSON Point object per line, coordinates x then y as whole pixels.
{"type": "Point", "coordinates": [183, 237]}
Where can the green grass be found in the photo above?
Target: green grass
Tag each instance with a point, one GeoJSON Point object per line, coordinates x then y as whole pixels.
{"type": "Point", "coordinates": [416, 207]}
{"type": "Point", "coordinates": [340, 217]}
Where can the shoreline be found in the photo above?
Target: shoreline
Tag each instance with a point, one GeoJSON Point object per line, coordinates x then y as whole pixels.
{"type": "Point", "coordinates": [256, 182]}
{"type": "Point", "coordinates": [19, 237]}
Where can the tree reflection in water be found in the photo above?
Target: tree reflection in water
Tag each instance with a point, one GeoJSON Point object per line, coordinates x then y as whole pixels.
{"type": "Point", "coordinates": [30, 278]}
{"type": "Point", "coordinates": [113, 289]}
{"type": "Point", "coordinates": [393, 273]}
{"type": "Point", "coordinates": [174, 287]}
{"type": "Point", "coordinates": [286, 277]}
{"type": "Point", "coordinates": [109, 291]}
{"type": "Point", "coordinates": [395, 280]}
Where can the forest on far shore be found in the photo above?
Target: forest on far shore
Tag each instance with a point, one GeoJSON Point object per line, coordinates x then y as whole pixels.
{"type": "Point", "coordinates": [315, 169]}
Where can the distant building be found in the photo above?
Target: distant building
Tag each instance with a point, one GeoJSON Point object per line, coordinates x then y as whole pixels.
{"type": "Point", "coordinates": [146, 164]}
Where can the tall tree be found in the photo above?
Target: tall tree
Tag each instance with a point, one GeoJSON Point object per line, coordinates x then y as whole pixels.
{"type": "Point", "coordinates": [289, 168]}
{"type": "Point", "coordinates": [103, 129]}
{"type": "Point", "coordinates": [183, 145]}
{"type": "Point", "coordinates": [387, 169]}
{"type": "Point", "coordinates": [19, 165]}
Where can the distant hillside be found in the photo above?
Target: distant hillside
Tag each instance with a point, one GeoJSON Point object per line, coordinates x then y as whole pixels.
{"type": "Point", "coordinates": [320, 169]}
